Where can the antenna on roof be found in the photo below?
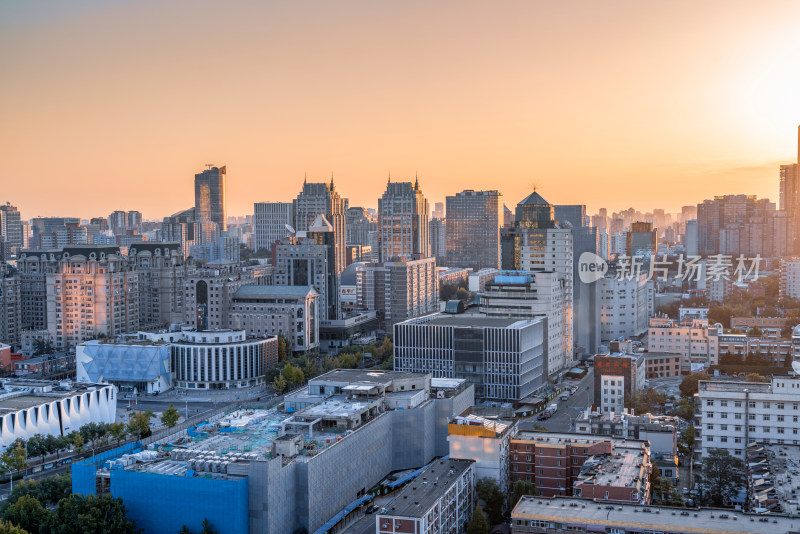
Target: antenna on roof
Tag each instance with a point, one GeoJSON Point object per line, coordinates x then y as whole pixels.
{"type": "Point", "coordinates": [210, 165]}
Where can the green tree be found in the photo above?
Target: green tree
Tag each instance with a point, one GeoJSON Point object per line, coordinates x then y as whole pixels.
{"type": "Point", "coordinates": [521, 488]}
{"type": "Point", "coordinates": [685, 410]}
{"type": "Point", "coordinates": [689, 384]}
{"type": "Point", "coordinates": [170, 417]}
{"type": "Point", "coordinates": [91, 515]}
{"type": "Point", "coordinates": [139, 424]}
{"type": "Point", "coordinates": [755, 332]}
{"type": "Point", "coordinates": [77, 441]}
{"type": "Point", "coordinates": [722, 475]}
{"type": "Point", "coordinates": [489, 492]}
{"type": "Point", "coordinates": [385, 350]}
{"type": "Point", "coordinates": [47, 490]}
{"type": "Point", "coordinates": [293, 375]}
{"type": "Point", "coordinates": [478, 524]}
{"type": "Point", "coordinates": [28, 513]}
{"type": "Point", "coordinates": [119, 431]}
{"type": "Point", "coordinates": [280, 384]}
{"type": "Point", "coordinates": [207, 528]}
{"type": "Point", "coordinates": [13, 461]}
{"type": "Point", "coordinates": [283, 348]}
{"type": "Point", "coordinates": [8, 528]}
{"type": "Point", "coordinates": [42, 347]}
{"type": "Point", "coordinates": [686, 442]}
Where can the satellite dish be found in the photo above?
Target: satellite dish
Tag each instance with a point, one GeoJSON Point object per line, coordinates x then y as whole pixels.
{"type": "Point", "coordinates": [796, 367]}
{"type": "Point", "coordinates": [289, 229]}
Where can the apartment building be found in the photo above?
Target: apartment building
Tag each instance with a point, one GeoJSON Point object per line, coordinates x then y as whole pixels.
{"type": "Point", "coordinates": [695, 340]}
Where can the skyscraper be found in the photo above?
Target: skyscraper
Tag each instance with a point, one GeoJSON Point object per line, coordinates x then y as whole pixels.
{"type": "Point", "coordinates": [437, 229]}
{"type": "Point", "coordinates": [269, 222]}
{"type": "Point", "coordinates": [473, 223]}
{"type": "Point", "coordinates": [11, 225]}
{"type": "Point", "coordinates": [403, 222]}
{"type": "Point", "coordinates": [641, 240]}
{"type": "Point", "coordinates": [209, 196]}
{"type": "Point", "coordinates": [322, 199]}
{"type": "Point", "coordinates": [538, 243]}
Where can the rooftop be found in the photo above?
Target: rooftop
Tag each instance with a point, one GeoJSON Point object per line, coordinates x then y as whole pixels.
{"type": "Point", "coordinates": [473, 321]}
{"type": "Point", "coordinates": [21, 394]}
{"type": "Point", "coordinates": [254, 291]}
{"type": "Point", "coordinates": [774, 478]}
{"type": "Point", "coordinates": [624, 467]}
{"type": "Point", "coordinates": [355, 376]}
{"type": "Point", "coordinates": [650, 518]}
{"type": "Point", "coordinates": [419, 496]}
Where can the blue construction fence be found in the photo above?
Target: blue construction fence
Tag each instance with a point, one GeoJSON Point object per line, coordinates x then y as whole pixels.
{"type": "Point", "coordinates": [164, 503]}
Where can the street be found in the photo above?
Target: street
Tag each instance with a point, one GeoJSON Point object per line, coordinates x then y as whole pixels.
{"type": "Point", "coordinates": [569, 409]}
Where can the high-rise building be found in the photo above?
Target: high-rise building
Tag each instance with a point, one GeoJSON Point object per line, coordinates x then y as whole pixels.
{"type": "Point", "coordinates": [641, 240]}
{"type": "Point", "coordinates": [527, 295]}
{"type": "Point", "coordinates": [162, 274]}
{"type": "Point", "coordinates": [11, 225]}
{"type": "Point", "coordinates": [118, 221]}
{"type": "Point", "coordinates": [537, 242]}
{"type": "Point", "coordinates": [585, 297]}
{"type": "Point", "coordinates": [473, 223]}
{"type": "Point", "coordinates": [743, 225]}
{"type": "Point", "coordinates": [623, 306]}
{"type": "Point", "coordinates": [360, 222]}
{"type": "Point", "coordinates": [10, 305]}
{"type": "Point", "coordinates": [399, 290]}
{"type": "Point", "coordinates": [91, 292]}
{"type": "Point", "coordinates": [57, 232]}
{"type": "Point", "coordinates": [437, 230]}
{"type": "Point", "coordinates": [269, 221]}
{"type": "Point", "coordinates": [403, 222]}
{"type": "Point", "coordinates": [323, 199]}
{"type": "Point", "coordinates": [438, 211]}
{"type": "Point", "coordinates": [690, 238]}
{"type": "Point", "coordinates": [134, 219]}
{"type": "Point", "coordinates": [209, 196]}
{"type": "Point", "coordinates": [308, 259]}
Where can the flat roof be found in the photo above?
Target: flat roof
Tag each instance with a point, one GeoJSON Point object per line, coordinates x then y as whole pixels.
{"type": "Point", "coordinates": [363, 376]}
{"type": "Point", "coordinates": [477, 321]}
{"type": "Point", "coordinates": [337, 406]}
{"type": "Point", "coordinates": [773, 470]}
{"type": "Point", "coordinates": [416, 498]}
{"type": "Point", "coordinates": [577, 512]}
{"type": "Point", "coordinates": [623, 467]}
{"type": "Point", "coordinates": [254, 291]}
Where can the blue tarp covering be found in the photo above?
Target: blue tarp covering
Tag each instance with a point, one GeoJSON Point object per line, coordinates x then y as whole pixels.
{"type": "Point", "coordinates": [333, 521]}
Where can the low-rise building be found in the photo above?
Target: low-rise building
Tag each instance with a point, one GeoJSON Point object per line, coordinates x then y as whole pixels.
{"type": "Point", "coordinates": [617, 378]}
{"type": "Point", "coordinates": [661, 364]}
{"type": "Point", "coordinates": [439, 501]}
{"type": "Point", "coordinates": [486, 441]}
{"type": "Point", "coordinates": [768, 325]}
{"type": "Point", "coordinates": [51, 408]}
{"type": "Point", "coordinates": [695, 340]}
{"type": "Point", "coordinates": [554, 462]}
{"type": "Point", "coordinates": [731, 414]}
{"type": "Point", "coordinates": [536, 515]}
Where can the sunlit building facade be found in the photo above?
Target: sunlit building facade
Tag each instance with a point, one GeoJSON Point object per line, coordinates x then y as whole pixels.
{"type": "Point", "coordinates": [403, 222]}
{"type": "Point", "coordinates": [473, 223]}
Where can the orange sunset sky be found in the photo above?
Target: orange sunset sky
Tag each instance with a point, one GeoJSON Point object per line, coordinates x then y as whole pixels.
{"type": "Point", "coordinates": [116, 104]}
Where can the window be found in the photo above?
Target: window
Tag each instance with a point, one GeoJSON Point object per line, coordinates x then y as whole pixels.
{"type": "Point", "coordinates": [766, 406]}
{"type": "Point", "coordinates": [780, 418]}
{"type": "Point", "coordinates": [709, 403]}
{"type": "Point", "coordinates": [766, 417]}
{"type": "Point", "coordinates": [780, 406]}
{"type": "Point", "coordinates": [710, 414]}
{"type": "Point", "coordinates": [737, 404]}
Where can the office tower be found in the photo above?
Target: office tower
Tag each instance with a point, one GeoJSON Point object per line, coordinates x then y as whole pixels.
{"type": "Point", "coordinates": [690, 238]}
{"type": "Point", "coordinates": [641, 240]}
{"type": "Point", "coordinates": [743, 225]}
{"type": "Point", "coordinates": [623, 306]}
{"type": "Point", "coordinates": [11, 225]}
{"type": "Point", "coordinates": [91, 292]}
{"type": "Point", "coordinates": [308, 259]}
{"type": "Point", "coordinates": [134, 219]}
{"type": "Point", "coordinates": [209, 197]}
{"type": "Point", "coordinates": [503, 358]}
{"type": "Point", "coordinates": [270, 220]}
{"type": "Point", "coordinates": [10, 305]}
{"type": "Point", "coordinates": [162, 274]}
{"type": "Point", "coordinates": [438, 211]}
{"type": "Point", "coordinates": [57, 232]}
{"type": "Point", "coordinates": [527, 295]}
{"type": "Point", "coordinates": [400, 290]}
{"type": "Point", "coordinates": [473, 224]}
{"type": "Point", "coordinates": [437, 230]}
{"type": "Point", "coordinates": [403, 222]}
{"type": "Point", "coordinates": [508, 217]}
{"type": "Point", "coordinates": [118, 221]}
{"type": "Point", "coordinates": [585, 297]}
{"type": "Point", "coordinates": [604, 244]}
{"type": "Point", "coordinates": [323, 199]}
{"type": "Point", "coordinates": [360, 222]}
{"type": "Point", "coordinates": [538, 243]}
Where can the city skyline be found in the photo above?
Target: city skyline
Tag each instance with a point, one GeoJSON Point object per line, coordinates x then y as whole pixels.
{"type": "Point", "coordinates": [572, 99]}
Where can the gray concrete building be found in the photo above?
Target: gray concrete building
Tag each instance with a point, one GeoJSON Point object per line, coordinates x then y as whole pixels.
{"type": "Point", "coordinates": [403, 222]}
{"type": "Point", "coordinates": [269, 223]}
{"type": "Point", "coordinates": [473, 220]}
{"type": "Point", "coordinates": [322, 199]}
{"type": "Point", "coordinates": [503, 358]}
